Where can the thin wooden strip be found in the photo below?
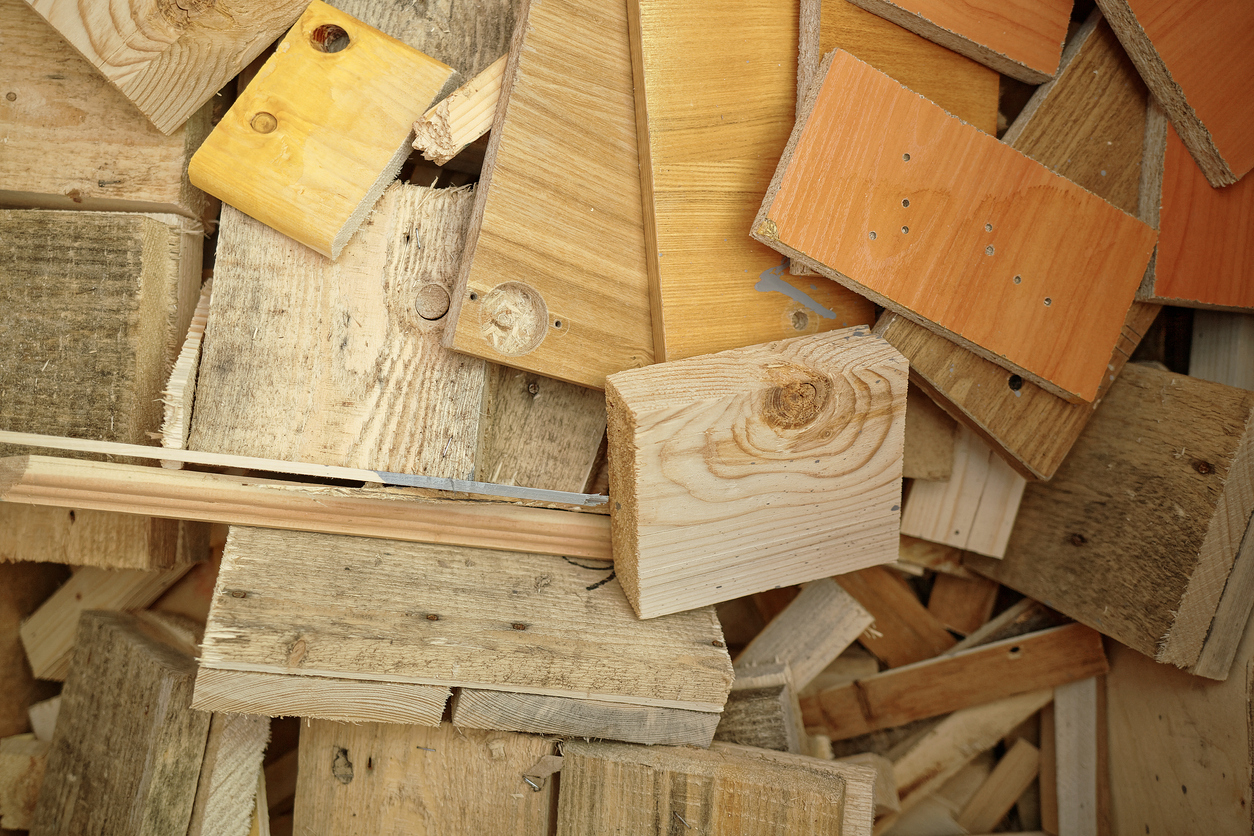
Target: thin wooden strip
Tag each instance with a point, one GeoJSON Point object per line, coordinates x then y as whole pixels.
{"type": "Point", "coordinates": [904, 632]}
{"type": "Point", "coordinates": [467, 114]}
{"type": "Point", "coordinates": [993, 800]}
{"type": "Point", "coordinates": [1075, 735]}
{"type": "Point", "coordinates": [180, 388]}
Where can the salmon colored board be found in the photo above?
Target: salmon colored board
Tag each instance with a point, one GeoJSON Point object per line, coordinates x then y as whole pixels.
{"type": "Point", "coordinates": [1021, 38]}
{"type": "Point", "coordinates": [888, 194]}
{"type": "Point", "coordinates": [1196, 57]}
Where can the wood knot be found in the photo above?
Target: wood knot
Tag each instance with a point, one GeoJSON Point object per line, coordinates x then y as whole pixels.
{"type": "Point", "coordinates": [793, 405]}
{"type": "Point", "coordinates": [341, 766]}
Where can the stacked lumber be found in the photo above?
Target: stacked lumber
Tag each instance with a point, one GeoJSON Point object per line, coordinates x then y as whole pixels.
{"type": "Point", "coordinates": [580, 416]}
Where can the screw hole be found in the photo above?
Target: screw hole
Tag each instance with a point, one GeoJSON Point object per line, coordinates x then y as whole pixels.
{"type": "Point", "coordinates": [871, 235]}
{"type": "Point", "coordinates": [474, 297]}
{"type": "Point", "coordinates": [1015, 383]}
{"type": "Point", "coordinates": [905, 158]}
{"type": "Point", "coordinates": [905, 202]}
{"type": "Point", "coordinates": [905, 230]}
{"type": "Point", "coordinates": [557, 323]}
{"type": "Point", "coordinates": [989, 250]}
{"type": "Point", "coordinates": [1048, 301]}
{"type": "Point", "coordinates": [1018, 279]}
{"type": "Point", "coordinates": [800, 320]}
{"type": "Point", "coordinates": [329, 38]}
{"type": "Point", "coordinates": [988, 227]}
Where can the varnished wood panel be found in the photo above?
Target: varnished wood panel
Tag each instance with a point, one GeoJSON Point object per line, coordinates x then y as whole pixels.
{"type": "Point", "coordinates": [875, 191]}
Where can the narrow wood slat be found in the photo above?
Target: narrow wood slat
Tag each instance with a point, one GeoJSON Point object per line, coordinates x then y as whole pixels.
{"type": "Point", "coordinates": [903, 632]}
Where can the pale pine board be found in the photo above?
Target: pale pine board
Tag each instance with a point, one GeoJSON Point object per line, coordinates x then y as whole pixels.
{"type": "Point", "coordinates": [1196, 59]}
{"type": "Point", "coordinates": [1020, 38]}
{"type": "Point", "coordinates": [554, 278]}
{"type": "Point", "coordinates": [1205, 256]}
{"type": "Point", "coordinates": [705, 160]}
{"type": "Point", "coordinates": [755, 468]}
{"type": "Point", "coordinates": [169, 61]}
{"type": "Point", "coordinates": [867, 145]}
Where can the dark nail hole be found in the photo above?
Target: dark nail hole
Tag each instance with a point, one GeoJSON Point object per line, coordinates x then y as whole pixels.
{"type": "Point", "coordinates": [557, 323]}
{"type": "Point", "coordinates": [905, 157]}
{"type": "Point", "coordinates": [1078, 540]}
{"type": "Point", "coordinates": [1203, 467]}
{"type": "Point", "coordinates": [329, 38]}
{"type": "Point", "coordinates": [905, 202]}
{"type": "Point", "coordinates": [519, 626]}
{"type": "Point", "coordinates": [1015, 383]}
{"type": "Point", "coordinates": [432, 617]}
{"type": "Point", "coordinates": [474, 297]}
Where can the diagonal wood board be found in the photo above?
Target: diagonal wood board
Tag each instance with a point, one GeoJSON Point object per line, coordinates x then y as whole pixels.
{"type": "Point", "coordinates": [705, 159]}
{"type": "Point", "coordinates": [877, 191]}
{"type": "Point", "coordinates": [554, 278]}
{"type": "Point", "coordinates": [1196, 58]}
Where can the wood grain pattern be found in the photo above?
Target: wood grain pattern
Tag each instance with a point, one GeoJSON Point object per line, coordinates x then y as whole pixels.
{"type": "Point", "coordinates": [929, 442]}
{"type": "Point", "coordinates": [704, 161]}
{"type": "Point", "coordinates": [127, 749]}
{"type": "Point", "coordinates": [948, 683]}
{"type": "Point", "coordinates": [526, 624]}
{"type": "Point", "coordinates": [762, 710]}
{"type": "Point", "coordinates": [1193, 57]}
{"type": "Point", "coordinates": [728, 789]}
{"type": "Point", "coordinates": [285, 154]}
{"type": "Point", "coordinates": [866, 147]}
{"type": "Point", "coordinates": [71, 141]}
{"type": "Point", "coordinates": [974, 509]}
{"type": "Point", "coordinates": [168, 61]}
{"type": "Point", "coordinates": [1223, 348]}
{"type": "Point", "coordinates": [554, 279]}
{"type": "Point", "coordinates": [1020, 39]}
{"type": "Point", "coordinates": [1008, 780]}
{"type": "Point", "coordinates": [371, 778]}
{"type": "Point", "coordinates": [467, 114]}
{"type": "Point", "coordinates": [1206, 240]}
{"type": "Point", "coordinates": [798, 442]}
{"type": "Point", "coordinates": [904, 631]}
{"type": "Point", "coordinates": [373, 388]}
{"type": "Point", "coordinates": [1139, 531]}
{"type": "Point", "coordinates": [227, 789]}
{"type": "Point", "coordinates": [23, 760]}
{"type": "Point", "coordinates": [80, 537]}
{"type": "Point", "coordinates": [390, 513]}
{"type": "Point", "coordinates": [962, 604]}
{"type": "Point", "coordinates": [1085, 125]}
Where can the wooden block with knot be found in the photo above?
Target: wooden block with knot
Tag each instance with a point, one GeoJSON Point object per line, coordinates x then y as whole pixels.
{"type": "Point", "coordinates": [755, 468]}
{"type": "Point", "coordinates": [324, 127]}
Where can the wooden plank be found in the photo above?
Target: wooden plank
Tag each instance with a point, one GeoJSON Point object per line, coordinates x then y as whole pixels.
{"type": "Point", "coordinates": [74, 142]}
{"type": "Point", "coordinates": [80, 537]}
{"type": "Point", "coordinates": [1223, 348]}
{"type": "Point", "coordinates": [904, 631]}
{"type": "Point", "coordinates": [23, 588]}
{"type": "Point", "coordinates": [703, 163]}
{"type": "Point", "coordinates": [227, 789]}
{"type": "Point", "coordinates": [394, 514]}
{"type": "Point", "coordinates": [949, 683]}
{"type": "Point", "coordinates": [573, 717]}
{"type": "Point", "coordinates": [1203, 255]}
{"type": "Point", "coordinates": [282, 153]}
{"type": "Point", "coordinates": [993, 800]}
{"type": "Point", "coordinates": [728, 789]}
{"type": "Point", "coordinates": [1022, 40]}
{"type": "Point", "coordinates": [371, 778]}
{"type": "Point", "coordinates": [1023, 617]}
{"type": "Point", "coordinates": [974, 509]}
{"type": "Point", "coordinates": [929, 442]}
{"type": "Point", "coordinates": [467, 35]}
{"type": "Point", "coordinates": [962, 604]}
{"type": "Point", "coordinates": [1192, 56]}
{"type": "Point", "coordinates": [1076, 765]}
{"type": "Point", "coordinates": [718, 438]}
{"type": "Point", "coordinates": [49, 634]}
{"type": "Point", "coordinates": [168, 64]}
{"type": "Point", "coordinates": [963, 87]}
{"type": "Point", "coordinates": [1140, 530]}
{"type": "Point", "coordinates": [885, 784]}
{"type": "Point", "coordinates": [554, 279]}
{"type": "Point", "coordinates": [23, 760]}
{"type": "Point", "coordinates": [923, 554]}
{"type": "Point", "coordinates": [389, 617]}
{"type": "Point", "coordinates": [819, 209]}
{"type": "Point", "coordinates": [811, 632]}
{"type": "Point", "coordinates": [458, 120]}
{"type": "Point", "coordinates": [762, 710]}
{"type": "Point", "coordinates": [127, 750]}
{"type": "Point", "coordinates": [1085, 125]}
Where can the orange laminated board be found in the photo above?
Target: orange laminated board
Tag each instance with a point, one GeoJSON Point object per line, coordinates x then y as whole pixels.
{"type": "Point", "coordinates": [1021, 38]}
{"type": "Point", "coordinates": [889, 195]}
{"type": "Point", "coordinates": [1205, 255]}
{"type": "Point", "coordinates": [715, 87]}
{"type": "Point", "coordinates": [1195, 56]}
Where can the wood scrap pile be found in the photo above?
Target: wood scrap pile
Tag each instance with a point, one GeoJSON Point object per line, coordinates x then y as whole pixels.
{"type": "Point", "coordinates": [587, 416]}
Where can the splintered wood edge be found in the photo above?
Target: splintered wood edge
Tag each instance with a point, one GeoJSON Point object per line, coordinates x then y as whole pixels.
{"type": "Point", "coordinates": [180, 389]}
{"type": "Point", "coordinates": [324, 698]}
{"type": "Point", "coordinates": [1167, 92]}
{"type": "Point", "coordinates": [467, 114]}
{"type": "Point", "coordinates": [935, 33]}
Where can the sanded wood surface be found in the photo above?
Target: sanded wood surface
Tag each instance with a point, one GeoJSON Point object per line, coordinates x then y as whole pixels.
{"type": "Point", "coordinates": [962, 604]}
{"type": "Point", "coordinates": [23, 760]}
{"type": "Point", "coordinates": [71, 141]}
{"type": "Point", "coordinates": [1020, 39]}
{"type": "Point", "coordinates": [392, 513]}
{"type": "Point", "coordinates": [904, 631]}
{"type": "Point", "coordinates": [227, 789]}
{"type": "Point", "coordinates": [963, 87]}
{"type": "Point", "coordinates": [1085, 125]}
{"type": "Point", "coordinates": [285, 153]}
{"type": "Point", "coordinates": [705, 161]}
{"type": "Point", "coordinates": [981, 675]}
{"type": "Point", "coordinates": [169, 63]}
{"type": "Point", "coordinates": [1138, 533]}
{"type": "Point", "coordinates": [127, 749]}
{"type": "Point", "coordinates": [873, 192]}
{"type": "Point", "coordinates": [335, 362]}
{"type": "Point", "coordinates": [371, 778]}
{"type": "Point", "coordinates": [314, 605]}
{"type": "Point", "coordinates": [467, 114]}
{"type": "Point", "coordinates": [1194, 57]}
{"type": "Point", "coordinates": [23, 588]}
{"type": "Point", "coordinates": [812, 631]}
{"type": "Point", "coordinates": [1206, 240]}
{"type": "Point", "coordinates": [553, 279]}
{"type": "Point", "coordinates": [974, 509]}
{"type": "Point", "coordinates": [85, 538]}
{"type": "Point", "coordinates": [755, 468]}
{"type": "Point", "coordinates": [728, 789]}
{"type": "Point", "coordinates": [102, 315]}
{"type": "Point", "coordinates": [929, 442]}
{"type": "Point", "coordinates": [1223, 348]}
